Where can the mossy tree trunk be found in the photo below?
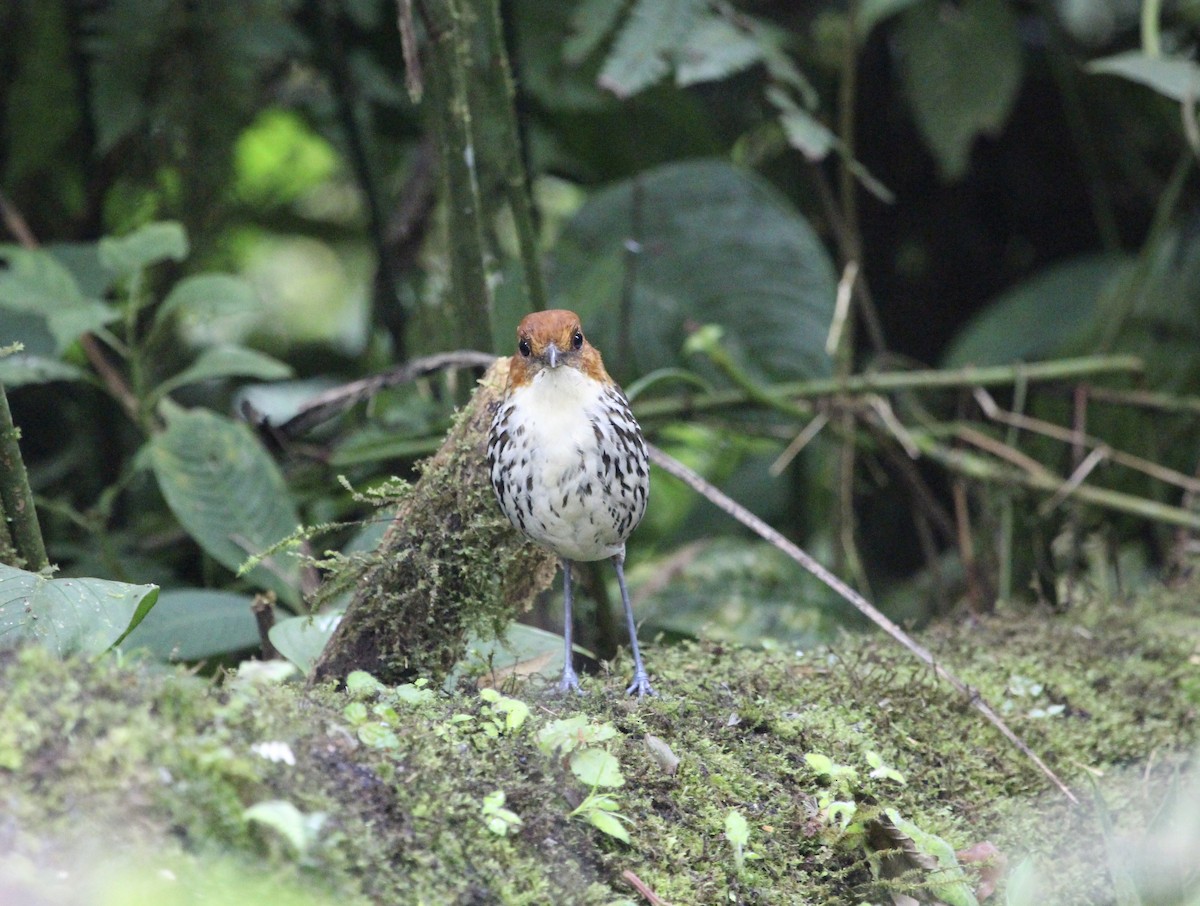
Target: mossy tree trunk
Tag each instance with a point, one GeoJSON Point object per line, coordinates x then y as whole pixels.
{"type": "Point", "coordinates": [448, 565]}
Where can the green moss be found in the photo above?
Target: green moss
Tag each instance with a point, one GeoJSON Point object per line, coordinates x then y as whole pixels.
{"type": "Point", "coordinates": [133, 760]}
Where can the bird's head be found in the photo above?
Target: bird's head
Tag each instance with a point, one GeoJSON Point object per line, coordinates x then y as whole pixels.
{"type": "Point", "coordinates": [553, 339]}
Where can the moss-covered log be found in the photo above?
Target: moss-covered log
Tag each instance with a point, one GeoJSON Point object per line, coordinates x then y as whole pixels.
{"type": "Point", "coordinates": [449, 564]}
{"type": "Point", "coordinates": [117, 778]}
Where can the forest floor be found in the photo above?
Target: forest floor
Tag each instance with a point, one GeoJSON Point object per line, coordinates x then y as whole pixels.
{"type": "Point", "coordinates": [857, 774]}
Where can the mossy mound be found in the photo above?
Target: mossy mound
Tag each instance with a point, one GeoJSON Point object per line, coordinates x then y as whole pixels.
{"type": "Point", "coordinates": [152, 771]}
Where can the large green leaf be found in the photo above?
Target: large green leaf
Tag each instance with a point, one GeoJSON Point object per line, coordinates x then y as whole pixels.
{"type": "Point", "coordinates": [961, 65]}
{"type": "Point", "coordinates": [1175, 77]}
{"type": "Point", "coordinates": [223, 362]}
{"type": "Point", "coordinates": [227, 493]}
{"type": "Point", "coordinates": [193, 624]}
{"type": "Point", "coordinates": [301, 639]}
{"type": "Point", "coordinates": [716, 245]}
{"type": "Point", "coordinates": [648, 39]}
{"type": "Point", "coordinates": [21, 369]}
{"type": "Point", "coordinates": [713, 50]}
{"type": "Point", "coordinates": [203, 297]}
{"type": "Point", "coordinates": [145, 246]}
{"type": "Point", "coordinates": [1039, 318]}
{"type": "Point", "coordinates": [35, 283]}
{"type": "Point", "coordinates": [69, 616]}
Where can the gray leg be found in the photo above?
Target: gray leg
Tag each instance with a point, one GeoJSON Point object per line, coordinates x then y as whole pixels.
{"type": "Point", "coordinates": [570, 679]}
{"type": "Point", "coordinates": [641, 682]}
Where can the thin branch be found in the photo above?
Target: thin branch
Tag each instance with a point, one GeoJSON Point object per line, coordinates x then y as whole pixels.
{"type": "Point", "coordinates": [781, 395]}
{"type": "Point", "coordinates": [327, 405]}
{"type": "Point", "coordinates": [643, 888]}
{"type": "Point", "coordinates": [861, 604]}
{"type": "Point", "coordinates": [1067, 435]}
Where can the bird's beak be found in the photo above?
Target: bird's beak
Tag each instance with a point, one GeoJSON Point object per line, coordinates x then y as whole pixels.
{"type": "Point", "coordinates": [551, 355]}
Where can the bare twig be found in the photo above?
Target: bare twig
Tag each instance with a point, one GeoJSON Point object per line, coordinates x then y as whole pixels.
{"type": "Point", "coordinates": [861, 604]}
{"type": "Point", "coordinates": [1068, 435]}
{"type": "Point", "coordinates": [263, 607]}
{"type": "Point", "coordinates": [799, 442]}
{"type": "Point", "coordinates": [331, 403]}
{"type": "Point", "coordinates": [643, 888]}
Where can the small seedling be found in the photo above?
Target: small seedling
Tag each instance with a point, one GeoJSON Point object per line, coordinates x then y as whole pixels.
{"type": "Point", "coordinates": [737, 832]}
{"type": "Point", "coordinates": [500, 821]}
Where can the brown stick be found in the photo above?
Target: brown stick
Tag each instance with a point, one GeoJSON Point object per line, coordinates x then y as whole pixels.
{"type": "Point", "coordinates": [862, 605]}
{"type": "Point", "coordinates": [643, 888]}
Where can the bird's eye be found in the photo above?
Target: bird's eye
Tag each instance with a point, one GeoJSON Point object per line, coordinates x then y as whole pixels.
{"type": "Point", "coordinates": [577, 340]}
{"type": "Point", "coordinates": [524, 348]}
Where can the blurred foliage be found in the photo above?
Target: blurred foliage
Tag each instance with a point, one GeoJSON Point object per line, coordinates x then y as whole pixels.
{"type": "Point", "coordinates": [239, 202]}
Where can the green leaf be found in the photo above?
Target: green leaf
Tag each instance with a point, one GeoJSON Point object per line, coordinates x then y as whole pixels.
{"type": "Point", "coordinates": [36, 283]}
{"type": "Point", "coordinates": [608, 823]}
{"type": "Point", "coordinates": [961, 65]}
{"type": "Point", "coordinates": [145, 246]}
{"type": "Point", "coordinates": [20, 370]}
{"type": "Point", "coordinates": [361, 684]}
{"type": "Point", "coordinates": [227, 493]}
{"type": "Point", "coordinates": [591, 21]}
{"type": "Point", "coordinates": [596, 767]}
{"type": "Point", "coordinates": [950, 884]}
{"type": "Point", "coordinates": [1174, 77]}
{"type": "Point", "coordinates": [194, 624]}
{"type": "Point", "coordinates": [1039, 318]}
{"type": "Point", "coordinates": [717, 245]}
{"type": "Point", "coordinates": [737, 830]}
{"type": "Point", "coordinates": [714, 50]}
{"type": "Point", "coordinates": [69, 616]}
{"type": "Point", "coordinates": [297, 828]}
{"type": "Point", "coordinates": [521, 650]}
{"type": "Point", "coordinates": [302, 639]}
{"type": "Point", "coordinates": [197, 300]}
{"type": "Point", "coordinates": [650, 36]}
{"type": "Point", "coordinates": [803, 131]}
{"type": "Point", "coordinates": [378, 736]}
{"type": "Point", "coordinates": [224, 362]}
{"type": "Point", "coordinates": [69, 323]}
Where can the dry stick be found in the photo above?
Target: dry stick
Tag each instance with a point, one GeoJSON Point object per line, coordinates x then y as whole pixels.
{"type": "Point", "coordinates": [1068, 435]}
{"type": "Point", "coordinates": [861, 604]}
{"type": "Point", "coordinates": [323, 407]}
{"type": "Point", "coordinates": [643, 888]}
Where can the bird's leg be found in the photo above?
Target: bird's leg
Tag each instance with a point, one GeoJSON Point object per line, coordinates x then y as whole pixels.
{"type": "Point", "coordinates": [570, 679]}
{"type": "Point", "coordinates": [641, 681]}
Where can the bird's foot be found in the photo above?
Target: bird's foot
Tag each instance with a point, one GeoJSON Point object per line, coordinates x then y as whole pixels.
{"type": "Point", "coordinates": [640, 685]}
{"type": "Point", "coordinates": [569, 682]}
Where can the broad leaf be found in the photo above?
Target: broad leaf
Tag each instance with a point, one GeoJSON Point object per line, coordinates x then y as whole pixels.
{"type": "Point", "coordinates": [714, 50]}
{"type": "Point", "coordinates": [20, 369]}
{"type": "Point", "coordinates": [69, 616]}
{"type": "Point", "coordinates": [302, 639]}
{"type": "Point", "coordinates": [227, 493]}
{"type": "Point", "coordinates": [1174, 77]}
{"type": "Point", "coordinates": [646, 42]}
{"type": "Point", "coordinates": [198, 300]}
{"type": "Point", "coordinates": [716, 245]}
{"type": "Point", "coordinates": [608, 823]}
{"type": "Point", "coordinates": [224, 362]}
{"type": "Point", "coordinates": [1039, 318]}
{"type": "Point", "coordinates": [145, 246]}
{"type": "Point", "coordinates": [596, 767]}
{"type": "Point", "coordinates": [521, 651]}
{"type": "Point", "coordinates": [193, 624]}
{"type": "Point", "coordinates": [961, 65]}
{"type": "Point", "coordinates": [35, 283]}
{"type": "Point", "coordinates": [591, 21]}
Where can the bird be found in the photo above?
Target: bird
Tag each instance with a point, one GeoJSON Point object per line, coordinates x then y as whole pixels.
{"type": "Point", "coordinates": [568, 461]}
